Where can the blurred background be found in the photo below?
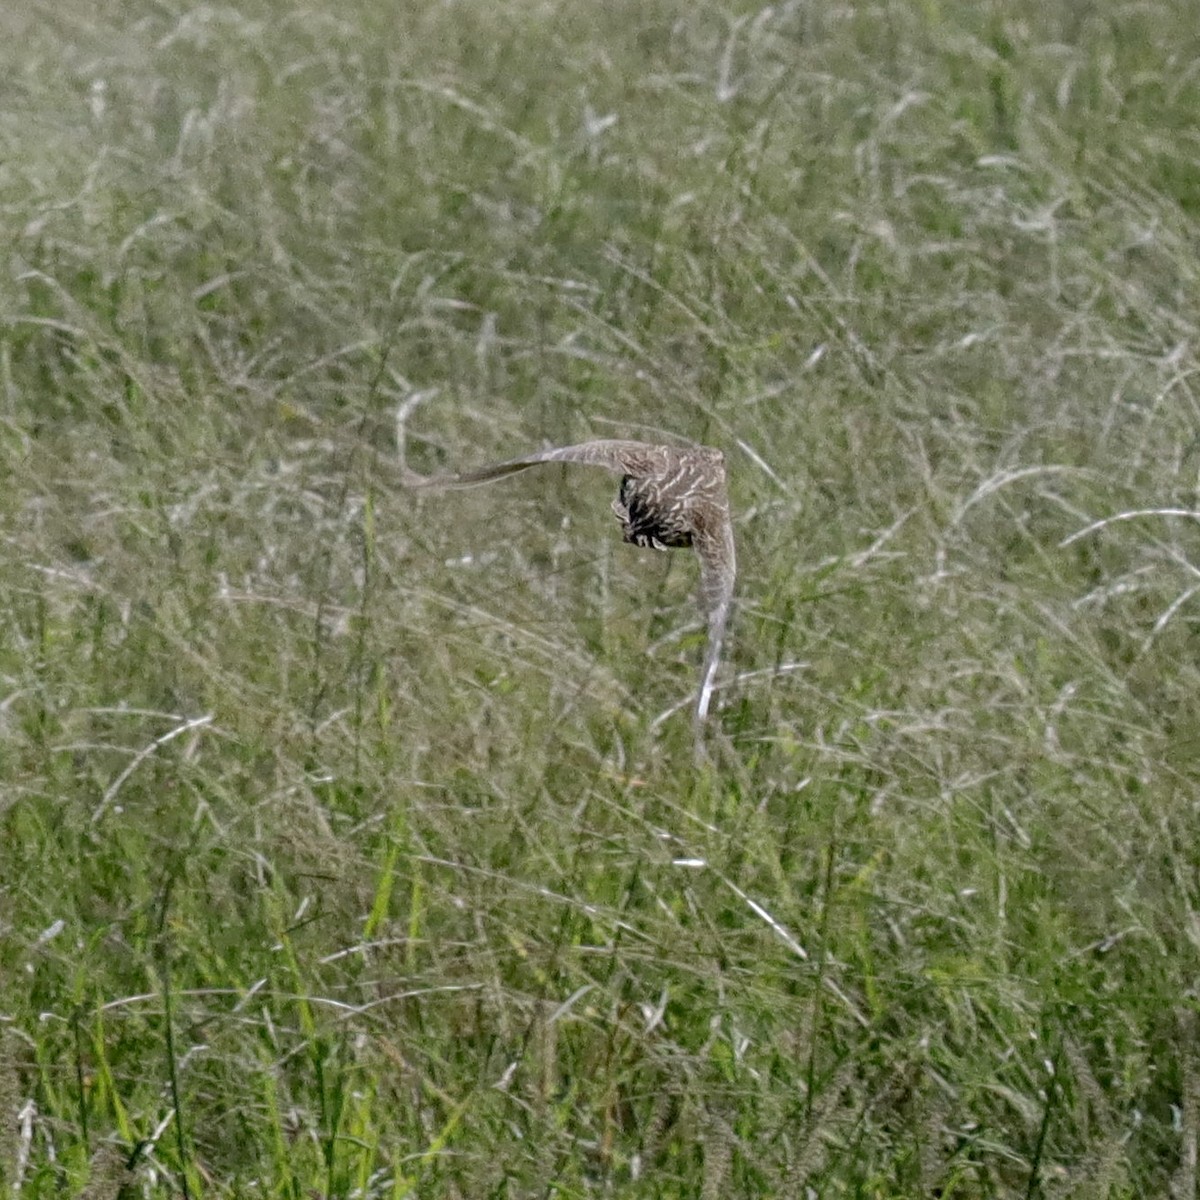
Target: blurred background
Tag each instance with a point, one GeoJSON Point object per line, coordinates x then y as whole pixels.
{"type": "Point", "coordinates": [351, 840]}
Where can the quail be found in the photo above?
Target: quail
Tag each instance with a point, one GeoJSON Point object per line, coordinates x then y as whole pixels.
{"type": "Point", "coordinates": [669, 498]}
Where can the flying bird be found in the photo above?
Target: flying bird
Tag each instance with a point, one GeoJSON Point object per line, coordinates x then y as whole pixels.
{"type": "Point", "coordinates": [669, 498]}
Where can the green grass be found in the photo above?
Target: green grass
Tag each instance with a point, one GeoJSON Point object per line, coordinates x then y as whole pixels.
{"type": "Point", "coordinates": [353, 845]}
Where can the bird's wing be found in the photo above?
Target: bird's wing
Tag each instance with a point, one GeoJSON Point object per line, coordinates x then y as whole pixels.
{"type": "Point", "coordinates": [622, 457]}
{"type": "Point", "coordinates": [715, 548]}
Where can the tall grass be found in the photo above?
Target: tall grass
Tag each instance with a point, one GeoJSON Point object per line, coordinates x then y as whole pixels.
{"type": "Point", "coordinates": [352, 844]}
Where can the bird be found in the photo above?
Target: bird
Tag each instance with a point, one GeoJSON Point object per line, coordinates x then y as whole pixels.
{"type": "Point", "coordinates": [669, 498]}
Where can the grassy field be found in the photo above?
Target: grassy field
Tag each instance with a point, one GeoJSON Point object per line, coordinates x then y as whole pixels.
{"type": "Point", "coordinates": [352, 844]}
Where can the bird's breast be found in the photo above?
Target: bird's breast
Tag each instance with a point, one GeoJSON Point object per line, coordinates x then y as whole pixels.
{"type": "Point", "coordinates": [653, 515]}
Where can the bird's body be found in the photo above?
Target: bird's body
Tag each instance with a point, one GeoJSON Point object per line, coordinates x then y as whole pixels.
{"type": "Point", "coordinates": [670, 497]}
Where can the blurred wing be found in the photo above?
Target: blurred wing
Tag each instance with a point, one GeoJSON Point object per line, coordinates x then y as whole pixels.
{"type": "Point", "coordinates": [622, 457]}
{"type": "Point", "coordinates": [718, 572]}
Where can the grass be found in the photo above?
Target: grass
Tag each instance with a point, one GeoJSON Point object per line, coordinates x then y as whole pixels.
{"type": "Point", "coordinates": [352, 845]}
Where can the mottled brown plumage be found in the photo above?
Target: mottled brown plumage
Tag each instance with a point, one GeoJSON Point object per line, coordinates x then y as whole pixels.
{"type": "Point", "coordinates": [670, 498]}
